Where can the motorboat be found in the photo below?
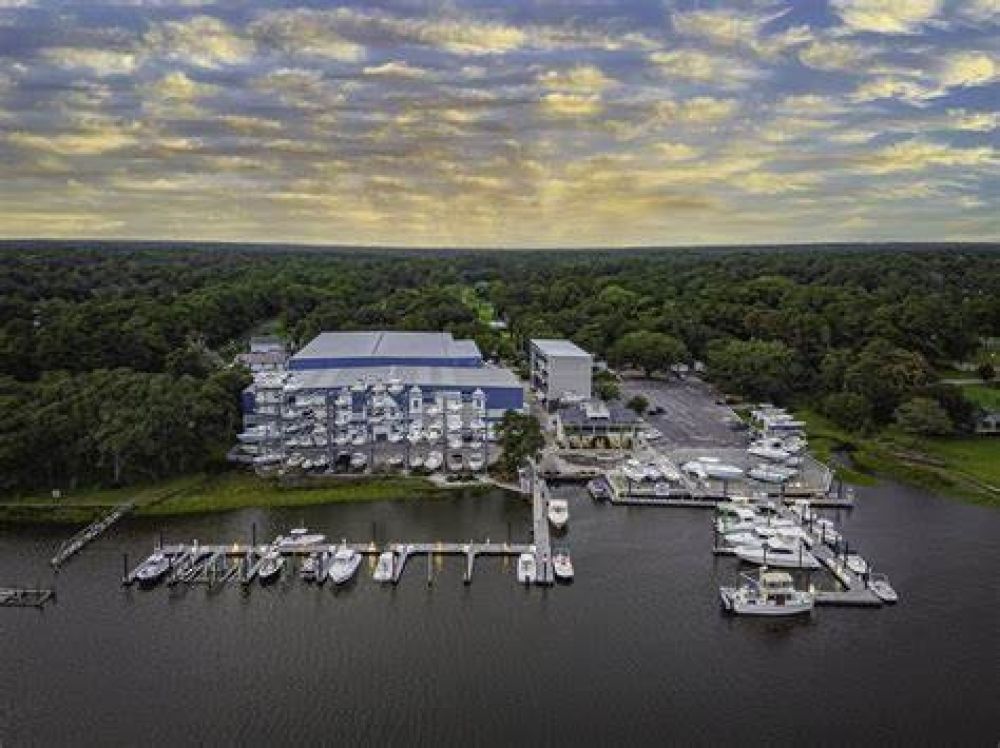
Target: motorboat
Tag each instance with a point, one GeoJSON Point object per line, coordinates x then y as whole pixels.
{"type": "Point", "coordinates": [562, 565]}
{"type": "Point", "coordinates": [662, 489]}
{"type": "Point", "coordinates": [771, 454]}
{"type": "Point", "coordinates": [695, 469]}
{"type": "Point", "coordinates": [395, 437]}
{"type": "Point", "coordinates": [475, 462]}
{"type": "Point", "coordinates": [527, 570]}
{"type": "Point", "coordinates": [298, 538]}
{"type": "Point", "coordinates": [152, 569]}
{"type": "Point", "coordinates": [395, 461]}
{"type": "Point", "coordinates": [385, 567]}
{"type": "Point", "coordinates": [558, 512]}
{"type": "Point", "coordinates": [757, 534]}
{"type": "Point", "coordinates": [826, 531]}
{"type": "Point", "coordinates": [775, 551]}
{"type": "Point", "coordinates": [455, 461]}
{"type": "Point", "coordinates": [857, 564]}
{"type": "Point", "coordinates": [415, 436]}
{"type": "Point", "coordinates": [434, 460]}
{"type": "Point", "coordinates": [310, 568]}
{"type": "Point", "coordinates": [771, 474]}
{"type": "Point", "coordinates": [454, 406]}
{"type": "Point", "coordinates": [345, 563]}
{"type": "Point", "coordinates": [341, 440]}
{"type": "Point", "coordinates": [599, 489]}
{"type": "Point", "coordinates": [454, 441]}
{"type": "Point", "coordinates": [454, 422]}
{"type": "Point", "coordinates": [416, 461]}
{"type": "Point", "coordinates": [722, 471]}
{"type": "Point", "coordinates": [772, 593]}
{"type": "Point", "coordinates": [433, 410]}
{"type": "Point", "coordinates": [359, 460]}
{"type": "Point", "coordinates": [433, 435]}
{"type": "Point", "coordinates": [358, 439]}
{"type": "Point", "coordinates": [270, 566]}
{"type": "Point", "coordinates": [879, 584]}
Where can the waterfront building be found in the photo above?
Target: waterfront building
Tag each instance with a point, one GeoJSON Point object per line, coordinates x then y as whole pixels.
{"type": "Point", "coordinates": [350, 390]}
{"type": "Point", "coordinates": [596, 425]}
{"type": "Point", "coordinates": [560, 370]}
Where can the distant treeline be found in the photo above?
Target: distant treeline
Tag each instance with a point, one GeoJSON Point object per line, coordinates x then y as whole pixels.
{"type": "Point", "coordinates": [113, 358]}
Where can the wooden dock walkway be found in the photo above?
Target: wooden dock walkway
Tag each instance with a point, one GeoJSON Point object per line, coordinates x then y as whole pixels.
{"type": "Point", "coordinates": [91, 531]}
{"type": "Point", "coordinates": [25, 597]}
{"type": "Point", "coordinates": [540, 526]}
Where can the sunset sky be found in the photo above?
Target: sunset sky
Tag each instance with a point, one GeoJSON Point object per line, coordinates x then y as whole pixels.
{"type": "Point", "coordinates": [519, 123]}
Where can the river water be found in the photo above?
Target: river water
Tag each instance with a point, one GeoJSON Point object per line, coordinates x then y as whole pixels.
{"type": "Point", "coordinates": [635, 651]}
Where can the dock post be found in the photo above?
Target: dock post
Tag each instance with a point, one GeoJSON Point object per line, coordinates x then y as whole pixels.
{"type": "Point", "coordinates": [430, 568]}
{"type": "Point", "coordinates": [253, 534]}
{"type": "Point", "coordinates": [124, 568]}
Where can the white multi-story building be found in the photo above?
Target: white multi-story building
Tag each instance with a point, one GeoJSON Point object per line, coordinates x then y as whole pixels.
{"type": "Point", "coordinates": [392, 397]}
{"type": "Point", "coordinates": [560, 370]}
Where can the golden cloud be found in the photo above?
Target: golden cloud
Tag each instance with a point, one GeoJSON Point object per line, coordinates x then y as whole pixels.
{"type": "Point", "coordinates": [969, 69]}
{"type": "Point", "coordinates": [835, 55]}
{"type": "Point", "coordinates": [584, 79]}
{"type": "Point", "coordinates": [918, 155]}
{"type": "Point", "coordinates": [570, 105]}
{"type": "Point", "coordinates": [177, 86]}
{"type": "Point", "coordinates": [308, 32]}
{"type": "Point", "coordinates": [395, 69]}
{"type": "Point", "coordinates": [99, 61]}
{"type": "Point", "coordinates": [704, 67]}
{"type": "Point", "coordinates": [886, 16]}
{"type": "Point", "coordinates": [204, 41]}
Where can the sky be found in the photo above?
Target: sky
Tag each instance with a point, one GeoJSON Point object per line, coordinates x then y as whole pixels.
{"type": "Point", "coordinates": [540, 123]}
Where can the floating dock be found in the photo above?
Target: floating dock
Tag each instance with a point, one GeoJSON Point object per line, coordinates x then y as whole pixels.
{"type": "Point", "coordinates": [25, 597]}
{"type": "Point", "coordinates": [91, 531]}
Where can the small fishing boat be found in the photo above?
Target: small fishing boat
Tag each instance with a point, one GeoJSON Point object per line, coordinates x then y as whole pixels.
{"type": "Point", "coordinates": [152, 569]}
{"type": "Point", "coordinates": [562, 565]}
{"type": "Point", "coordinates": [527, 571]}
{"type": "Point", "coordinates": [345, 563]}
{"type": "Point", "coordinates": [385, 567]}
{"type": "Point", "coordinates": [558, 513]}
{"type": "Point", "coordinates": [298, 538]}
{"type": "Point", "coordinates": [772, 593]}
{"type": "Point", "coordinates": [879, 584]}
{"type": "Point", "coordinates": [270, 566]}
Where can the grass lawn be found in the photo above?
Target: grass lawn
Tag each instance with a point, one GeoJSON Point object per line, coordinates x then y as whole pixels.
{"type": "Point", "coordinates": [213, 493]}
{"type": "Point", "coordinates": [983, 395]}
{"type": "Point", "coordinates": [977, 456]}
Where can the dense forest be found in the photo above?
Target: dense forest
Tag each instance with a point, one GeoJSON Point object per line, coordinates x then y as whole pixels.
{"type": "Point", "coordinates": [115, 360]}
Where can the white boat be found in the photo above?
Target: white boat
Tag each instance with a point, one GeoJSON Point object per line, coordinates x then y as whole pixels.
{"type": "Point", "coordinates": [558, 512]}
{"type": "Point", "coordinates": [562, 565]}
{"type": "Point", "coordinates": [722, 472]}
{"type": "Point", "coordinates": [395, 461]}
{"type": "Point", "coordinates": [415, 436]}
{"type": "Point", "coordinates": [772, 454]}
{"type": "Point", "coordinates": [769, 474]}
{"type": "Point", "coordinates": [416, 461]}
{"type": "Point", "coordinates": [341, 440]}
{"type": "Point", "coordinates": [826, 531]}
{"type": "Point", "coordinates": [454, 422]}
{"type": "Point", "coordinates": [455, 461]}
{"type": "Point", "coordinates": [772, 593]}
{"type": "Point", "coordinates": [434, 460]}
{"type": "Point", "coordinates": [661, 489]}
{"type": "Point", "coordinates": [757, 534]}
{"type": "Point", "coordinates": [345, 564]}
{"type": "Point", "coordinates": [385, 567]}
{"type": "Point", "coordinates": [527, 571]}
{"type": "Point", "coordinates": [879, 584]}
{"type": "Point", "coordinates": [433, 435]}
{"type": "Point", "coordinates": [270, 566]}
{"type": "Point", "coordinates": [476, 462]}
{"type": "Point", "coordinates": [298, 538]}
{"type": "Point", "coordinates": [395, 437]}
{"type": "Point", "coordinates": [152, 569]}
{"type": "Point", "coordinates": [359, 460]}
{"type": "Point", "coordinates": [358, 440]}
{"type": "Point", "coordinates": [454, 441]}
{"type": "Point", "coordinates": [777, 552]}
{"type": "Point", "coordinates": [858, 564]}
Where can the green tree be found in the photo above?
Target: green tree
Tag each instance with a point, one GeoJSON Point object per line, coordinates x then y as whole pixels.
{"type": "Point", "coordinates": [649, 351]}
{"type": "Point", "coordinates": [520, 437]}
{"type": "Point", "coordinates": [886, 374]}
{"type": "Point", "coordinates": [986, 372]}
{"type": "Point", "coordinates": [756, 368]}
{"type": "Point", "coordinates": [848, 409]}
{"type": "Point", "coordinates": [923, 416]}
{"type": "Point", "coordinates": [638, 403]}
{"type": "Point", "coordinates": [607, 389]}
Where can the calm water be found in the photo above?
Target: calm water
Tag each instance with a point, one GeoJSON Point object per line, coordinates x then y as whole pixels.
{"type": "Point", "coordinates": [636, 651]}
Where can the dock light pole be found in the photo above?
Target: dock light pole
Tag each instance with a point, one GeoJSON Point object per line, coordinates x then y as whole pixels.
{"type": "Point", "coordinates": [124, 568]}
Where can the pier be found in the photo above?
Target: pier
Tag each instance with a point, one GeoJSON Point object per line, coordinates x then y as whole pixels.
{"type": "Point", "coordinates": [91, 531]}
{"type": "Point", "coordinates": [540, 526]}
{"type": "Point", "coordinates": [25, 597]}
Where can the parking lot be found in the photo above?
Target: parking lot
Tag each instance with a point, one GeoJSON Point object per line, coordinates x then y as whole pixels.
{"type": "Point", "coordinates": [691, 417]}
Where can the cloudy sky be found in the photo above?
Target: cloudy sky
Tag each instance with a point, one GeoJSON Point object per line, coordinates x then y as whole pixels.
{"type": "Point", "coordinates": [514, 123]}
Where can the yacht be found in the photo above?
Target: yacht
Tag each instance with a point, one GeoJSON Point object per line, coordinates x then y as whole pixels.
{"type": "Point", "coordinates": [359, 460]}
{"type": "Point", "coordinates": [434, 460]}
{"type": "Point", "coordinates": [345, 564]}
{"type": "Point", "coordinates": [879, 584]}
{"type": "Point", "coordinates": [757, 534]}
{"type": "Point", "coordinates": [270, 566]}
{"type": "Point", "coordinates": [475, 462]}
{"type": "Point", "coordinates": [527, 572]}
{"type": "Point", "coordinates": [562, 565]}
{"type": "Point", "coordinates": [776, 551]}
{"type": "Point", "coordinates": [385, 567]}
{"type": "Point", "coordinates": [153, 569]}
{"type": "Point", "coordinates": [558, 512]}
{"type": "Point", "coordinates": [298, 538]}
{"type": "Point", "coordinates": [772, 593]}
{"type": "Point", "coordinates": [416, 461]}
